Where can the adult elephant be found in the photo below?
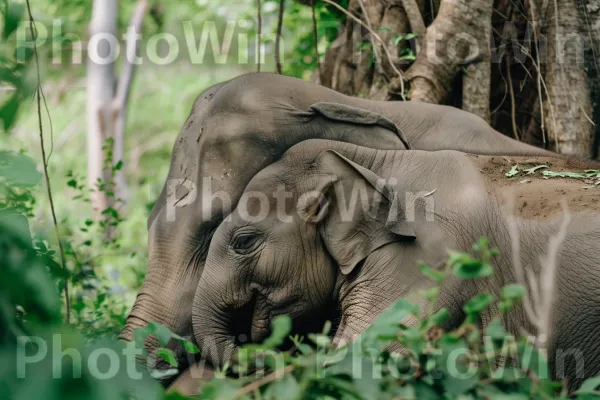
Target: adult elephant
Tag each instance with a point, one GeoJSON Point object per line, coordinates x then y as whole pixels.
{"type": "Point", "coordinates": [241, 126]}
{"type": "Point", "coordinates": [357, 221]}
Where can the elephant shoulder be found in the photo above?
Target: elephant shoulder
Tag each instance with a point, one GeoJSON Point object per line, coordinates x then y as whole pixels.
{"type": "Point", "coordinates": [256, 92]}
{"type": "Point", "coordinates": [206, 97]}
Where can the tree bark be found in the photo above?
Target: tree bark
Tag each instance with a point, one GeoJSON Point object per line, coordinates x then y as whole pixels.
{"type": "Point", "coordinates": [119, 104]}
{"type": "Point", "coordinates": [107, 102]}
{"type": "Point", "coordinates": [476, 88]}
{"type": "Point", "coordinates": [454, 39]}
{"type": "Point", "coordinates": [568, 109]}
{"type": "Point", "coordinates": [589, 11]}
{"type": "Point", "coordinates": [100, 93]}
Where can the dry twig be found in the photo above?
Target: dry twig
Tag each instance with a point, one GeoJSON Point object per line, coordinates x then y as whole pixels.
{"type": "Point", "coordinates": [259, 34]}
{"type": "Point", "coordinates": [513, 105]}
{"type": "Point", "coordinates": [278, 37]}
{"type": "Point", "coordinates": [273, 376]}
{"type": "Point", "coordinates": [315, 36]}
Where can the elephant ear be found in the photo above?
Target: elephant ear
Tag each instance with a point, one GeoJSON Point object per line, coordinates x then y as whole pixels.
{"type": "Point", "coordinates": [355, 209]}
{"type": "Point", "coordinates": [358, 116]}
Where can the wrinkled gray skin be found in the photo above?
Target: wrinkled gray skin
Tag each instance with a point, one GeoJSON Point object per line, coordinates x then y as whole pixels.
{"type": "Point", "coordinates": [239, 127]}
{"type": "Point", "coordinates": [366, 260]}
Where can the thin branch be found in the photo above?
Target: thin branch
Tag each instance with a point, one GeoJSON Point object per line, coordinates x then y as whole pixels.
{"type": "Point", "coordinates": [543, 84]}
{"type": "Point", "coordinates": [124, 84]}
{"type": "Point", "coordinates": [259, 33]}
{"type": "Point", "coordinates": [499, 106]}
{"type": "Point", "coordinates": [278, 37]}
{"type": "Point", "coordinates": [273, 376]}
{"type": "Point", "coordinates": [315, 36]}
{"type": "Point", "coordinates": [376, 36]}
{"type": "Point", "coordinates": [49, 122]}
{"type": "Point", "coordinates": [417, 24]}
{"type": "Point", "coordinates": [44, 160]}
{"type": "Point", "coordinates": [370, 27]}
{"type": "Point", "coordinates": [513, 104]}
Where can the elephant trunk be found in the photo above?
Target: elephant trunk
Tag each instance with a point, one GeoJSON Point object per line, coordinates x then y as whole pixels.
{"type": "Point", "coordinates": [164, 301]}
{"type": "Point", "coordinates": [220, 324]}
{"type": "Point", "coordinates": [212, 330]}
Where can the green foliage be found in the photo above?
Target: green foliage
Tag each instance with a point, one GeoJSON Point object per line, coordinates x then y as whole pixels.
{"type": "Point", "coordinates": [15, 64]}
{"type": "Point", "coordinates": [591, 176]}
{"type": "Point", "coordinates": [461, 364]}
{"type": "Point", "coordinates": [32, 334]}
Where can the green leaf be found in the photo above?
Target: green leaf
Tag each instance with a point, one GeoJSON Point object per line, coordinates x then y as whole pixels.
{"type": "Point", "coordinates": [495, 330]}
{"type": "Point", "coordinates": [8, 112]}
{"type": "Point", "coordinates": [397, 39]}
{"type": "Point", "coordinates": [19, 169]}
{"type": "Point", "coordinates": [430, 294]}
{"type": "Point", "coordinates": [285, 388]}
{"type": "Point", "coordinates": [280, 329]}
{"type": "Point", "coordinates": [481, 245]}
{"type": "Point", "coordinates": [360, 369]}
{"type": "Point", "coordinates": [441, 316]}
{"type": "Point", "coordinates": [513, 292]}
{"type": "Point", "coordinates": [190, 347]}
{"type": "Point", "coordinates": [471, 269]}
{"type": "Point", "coordinates": [322, 341]}
{"type": "Point", "coordinates": [12, 17]}
{"type": "Point", "coordinates": [589, 387]}
{"type": "Point", "coordinates": [408, 55]}
{"type": "Point", "coordinates": [410, 36]}
{"type": "Point", "coordinates": [513, 171]}
{"type": "Point", "coordinates": [162, 333]}
{"type": "Point", "coordinates": [167, 356]}
{"type": "Point", "coordinates": [433, 274]}
{"type": "Point", "coordinates": [387, 323]}
{"type": "Point", "coordinates": [478, 304]}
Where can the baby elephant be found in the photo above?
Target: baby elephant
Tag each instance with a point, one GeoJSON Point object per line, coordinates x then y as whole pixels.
{"type": "Point", "coordinates": [334, 225]}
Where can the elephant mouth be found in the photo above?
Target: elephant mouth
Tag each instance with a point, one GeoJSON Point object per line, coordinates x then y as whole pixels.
{"type": "Point", "coordinates": [302, 324]}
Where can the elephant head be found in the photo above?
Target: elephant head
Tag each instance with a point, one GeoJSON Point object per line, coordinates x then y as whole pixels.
{"type": "Point", "coordinates": [300, 228]}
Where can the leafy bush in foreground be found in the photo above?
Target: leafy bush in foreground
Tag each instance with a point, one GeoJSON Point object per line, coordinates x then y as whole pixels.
{"type": "Point", "coordinates": [465, 363]}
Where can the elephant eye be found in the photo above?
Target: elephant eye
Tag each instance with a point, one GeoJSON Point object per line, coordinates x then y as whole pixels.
{"type": "Point", "coordinates": [245, 242]}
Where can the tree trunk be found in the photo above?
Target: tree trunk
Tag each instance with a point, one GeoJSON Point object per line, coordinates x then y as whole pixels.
{"type": "Point", "coordinates": [458, 36]}
{"type": "Point", "coordinates": [119, 105]}
{"type": "Point", "coordinates": [107, 102]}
{"type": "Point", "coordinates": [568, 107]}
{"type": "Point", "coordinates": [539, 83]}
{"type": "Point", "coordinates": [590, 10]}
{"type": "Point", "coordinates": [100, 93]}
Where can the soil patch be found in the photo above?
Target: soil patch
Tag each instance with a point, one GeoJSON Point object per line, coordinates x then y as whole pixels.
{"type": "Point", "coordinates": [535, 196]}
